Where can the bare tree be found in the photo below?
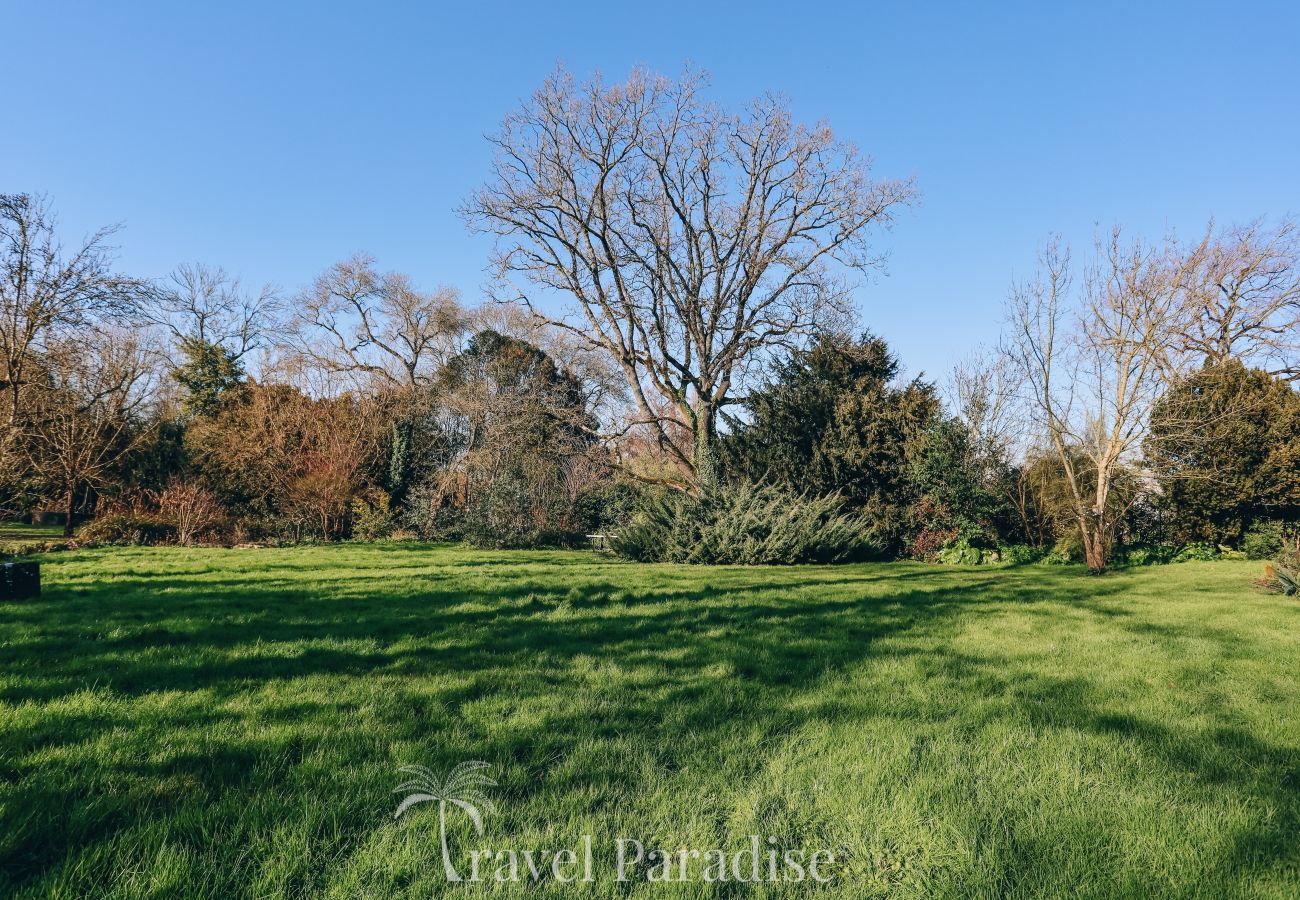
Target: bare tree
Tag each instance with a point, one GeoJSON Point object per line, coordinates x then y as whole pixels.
{"type": "Point", "coordinates": [1094, 366]}
{"type": "Point", "coordinates": [47, 293]}
{"type": "Point", "coordinates": [86, 416]}
{"type": "Point", "coordinates": [204, 304]}
{"type": "Point", "coordinates": [376, 328]}
{"type": "Point", "coordinates": [983, 391]}
{"type": "Point", "coordinates": [695, 240]}
{"type": "Point", "coordinates": [1243, 296]}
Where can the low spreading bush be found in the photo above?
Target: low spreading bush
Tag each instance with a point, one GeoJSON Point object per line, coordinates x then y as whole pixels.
{"type": "Point", "coordinates": [127, 530]}
{"type": "Point", "coordinates": [961, 551]}
{"type": "Point", "coordinates": [1198, 551]}
{"type": "Point", "coordinates": [744, 524]}
{"type": "Point", "coordinates": [1020, 554]}
{"type": "Point", "coordinates": [1151, 555]}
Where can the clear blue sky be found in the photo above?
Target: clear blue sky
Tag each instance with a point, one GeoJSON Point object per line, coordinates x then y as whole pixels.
{"type": "Point", "coordinates": [274, 138]}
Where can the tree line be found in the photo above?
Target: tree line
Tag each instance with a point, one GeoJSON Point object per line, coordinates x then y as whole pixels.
{"type": "Point", "coordinates": [704, 383]}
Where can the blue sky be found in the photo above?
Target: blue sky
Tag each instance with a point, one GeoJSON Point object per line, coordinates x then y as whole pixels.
{"type": "Point", "coordinates": [275, 138]}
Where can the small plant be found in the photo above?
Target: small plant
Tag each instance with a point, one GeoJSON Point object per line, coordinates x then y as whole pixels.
{"type": "Point", "coordinates": [1283, 575]}
{"type": "Point", "coordinates": [962, 552]}
{"type": "Point", "coordinates": [1280, 580]}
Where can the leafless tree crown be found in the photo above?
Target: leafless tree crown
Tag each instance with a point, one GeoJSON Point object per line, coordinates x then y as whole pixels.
{"type": "Point", "coordinates": [694, 240]}
{"type": "Point", "coordinates": [377, 327]}
{"type": "Point", "coordinates": [1243, 296]}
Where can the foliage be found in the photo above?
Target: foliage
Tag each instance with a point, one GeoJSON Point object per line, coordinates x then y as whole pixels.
{"type": "Point", "coordinates": [744, 524]}
{"type": "Point", "coordinates": [962, 552]}
{"type": "Point", "coordinates": [372, 516]}
{"type": "Point", "coordinates": [1020, 554]}
{"type": "Point", "coordinates": [128, 529]}
{"type": "Point", "coordinates": [1199, 551]}
{"type": "Point", "coordinates": [1283, 576]}
{"type": "Point", "coordinates": [1150, 554]}
{"type": "Point", "coordinates": [1225, 445]}
{"type": "Point", "coordinates": [607, 505]}
{"type": "Point", "coordinates": [1263, 540]}
{"type": "Point", "coordinates": [209, 374]}
{"type": "Point", "coordinates": [832, 420]}
{"type": "Point", "coordinates": [961, 487]}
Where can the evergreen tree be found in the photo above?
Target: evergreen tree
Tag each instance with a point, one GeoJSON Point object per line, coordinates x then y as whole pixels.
{"type": "Point", "coordinates": [209, 374]}
{"type": "Point", "coordinates": [834, 420]}
{"type": "Point", "coordinates": [1225, 446]}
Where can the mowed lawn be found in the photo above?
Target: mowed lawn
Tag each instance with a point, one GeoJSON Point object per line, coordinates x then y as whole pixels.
{"type": "Point", "coordinates": [226, 723]}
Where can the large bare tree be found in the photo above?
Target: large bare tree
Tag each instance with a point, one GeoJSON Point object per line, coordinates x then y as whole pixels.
{"type": "Point", "coordinates": [1243, 296]}
{"type": "Point", "coordinates": [1094, 363]}
{"type": "Point", "coordinates": [694, 240]}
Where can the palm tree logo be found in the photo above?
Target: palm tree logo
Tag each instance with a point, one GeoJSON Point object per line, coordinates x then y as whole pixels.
{"type": "Point", "coordinates": [463, 788]}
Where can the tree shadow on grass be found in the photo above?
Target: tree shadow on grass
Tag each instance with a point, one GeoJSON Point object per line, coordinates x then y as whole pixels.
{"type": "Point", "coordinates": [686, 653]}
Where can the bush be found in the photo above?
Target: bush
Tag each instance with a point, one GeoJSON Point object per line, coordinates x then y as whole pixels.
{"type": "Point", "coordinates": [1198, 551]}
{"type": "Point", "coordinates": [372, 516]}
{"type": "Point", "coordinates": [1068, 549]}
{"type": "Point", "coordinates": [961, 551]}
{"type": "Point", "coordinates": [193, 509]}
{"type": "Point", "coordinates": [127, 530]}
{"type": "Point", "coordinates": [744, 524]}
{"type": "Point", "coordinates": [1020, 554]}
{"type": "Point", "coordinates": [607, 506]}
{"type": "Point", "coordinates": [1153, 555]}
{"type": "Point", "coordinates": [1263, 540]}
{"type": "Point", "coordinates": [1283, 576]}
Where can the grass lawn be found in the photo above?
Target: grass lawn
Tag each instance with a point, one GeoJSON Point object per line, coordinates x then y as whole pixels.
{"type": "Point", "coordinates": [225, 723]}
{"type": "Point", "coordinates": [21, 533]}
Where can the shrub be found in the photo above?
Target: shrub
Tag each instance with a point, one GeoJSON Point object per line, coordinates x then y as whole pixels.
{"type": "Point", "coordinates": [1152, 555]}
{"type": "Point", "coordinates": [744, 524]}
{"type": "Point", "coordinates": [1020, 554]}
{"type": "Point", "coordinates": [1197, 551]}
{"type": "Point", "coordinates": [930, 540]}
{"type": "Point", "coordinates": [372, 516]}
{"type": "Point", "coordinates": [607, 506]}
{"type": "Point", "coordinates": [191, 508]}
{"type": "Point", "coordinates": [1069, 549]}
{"type": "Point", "coordinates": [127, 530]}
{"type": "Point", "coordinates": [961, 551]}
{"type": "Point", "coordinates": [1263, 540]}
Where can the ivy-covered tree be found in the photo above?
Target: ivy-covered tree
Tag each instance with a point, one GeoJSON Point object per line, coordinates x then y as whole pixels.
{"type": "Point", "coordinates": [834, 419]}
{"type": "Point", "coordinates": [1224, 444]}
{"type": "Point", "coordinates": [519, 426]}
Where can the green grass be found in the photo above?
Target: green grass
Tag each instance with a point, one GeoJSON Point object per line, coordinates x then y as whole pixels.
{"type": "Point", "coordinates": [224, 723]}
{"type": "Point", "coordinates": [21, 533]}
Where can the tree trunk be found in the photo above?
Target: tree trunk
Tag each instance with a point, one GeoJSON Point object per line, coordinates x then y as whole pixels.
{"type": "Point", "coordinates": [1094, 544]}
{"type": "Point", "coordinates": [69, 507]}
